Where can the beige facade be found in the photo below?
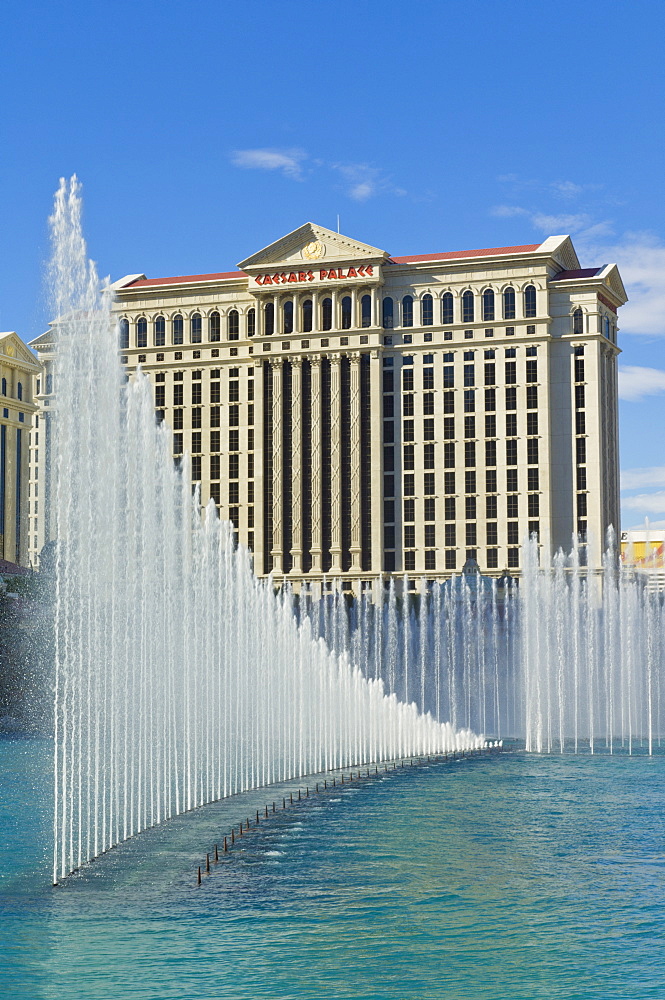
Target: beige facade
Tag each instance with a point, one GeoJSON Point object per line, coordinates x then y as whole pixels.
{"type": "Point", "coordinates": [18, 370]}
{"type": "Point", "coordinates": [356, 414]}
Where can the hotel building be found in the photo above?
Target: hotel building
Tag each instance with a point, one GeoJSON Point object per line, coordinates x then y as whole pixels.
{"type": "Point", "coordinates": [356, 414]}
{"type": "Point", "coordinates": [18, 369]}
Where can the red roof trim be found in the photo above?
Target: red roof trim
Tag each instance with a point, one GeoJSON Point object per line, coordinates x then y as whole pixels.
{"type": "Point", "coordinates": [187, 279]}
{"type": "Point", "coordinates": [453, 254]}
{"type": "Point", "coordinates": [582, 272]}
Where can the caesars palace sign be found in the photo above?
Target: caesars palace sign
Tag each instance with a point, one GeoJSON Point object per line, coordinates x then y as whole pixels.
{"type": "Point", "coordinates": [323, 274]}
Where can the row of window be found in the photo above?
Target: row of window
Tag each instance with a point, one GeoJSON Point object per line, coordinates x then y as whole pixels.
{"type": "Point", "coordinates": [451, 559]}
{"type": "Point", "coordinates": [19, 389]}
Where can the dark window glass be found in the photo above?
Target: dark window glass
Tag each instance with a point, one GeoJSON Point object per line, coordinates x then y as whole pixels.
{"type": "Point", "coordinates": [428, 456]}
{"type": "Point", "coordinates": [160, 331]}
{"type": "Point", "coordinates": [196, 468]}
{"type": "Point", "coordinates": [388, 313]}
{"type": "Point", "coordinates": [430, 554]}
{"type": "Point", "coordinates": [469, 400]}
{"type": "Point", "coordinates": [532, 479]}
{"type": "Point", "coordinates": [448, 428]}
{"type": "Point", "coordinates": [214, 392]}
{"type": "Point", "coordinates": [389, 536]}
{"type": "Point", "coordinates": [389, 486]}
{"type": "Point", "coordinates": [177, 420]}
{"type": "Point", "coordinates": [448, 455]}
{"type": "Point", "coordinates": [467, 307]}
{"type": "Point", "coordinates": [287, 313]}
{"type": "Point", "coordinates": [533, 505]}
{"type": "Point", "coordinates": [469, 375]}
{"type": "Point", "coordinates": [214, 416]}
{"type": "Point", "coordinates": [409, 536]}
{"type": "Point", "coordinates": [407, 310]}
{"type": "Point", "coordinates": [389, 458]}
{"type": "Point", "coordinates": [532, 397]}
{"type": "Point", "coordinates": [196, 416]}
{"type": "Point", "coordinates": [215, 327]}
{"type": "Point", "coordinates": [532, 423]}
{"type": "Point", "coordinates": [346, 312]}
{"type": "Point", "coordinates": [511, 372]}
{"type": "Point", "coordinates": [511, 425]}
{"type": "Point", "coordinates": [490, 509]}
{"type": "Point", "coordinates": [427, 310]}
{"type": "Point", "coordinates": [388, 381]}
{"type": "Point", "coordinates": [451, 559]}
{"type": "Point", "coordinates": [490, 373]}
{"type": "Point", "coordinates": [234, 416]}
{"type": "Point", "coordinates": [177, 444]}
{"type": "Point", "coordinates": [428, 483]}
{"type": "Point", "coordinates": [470, 481]}
{"type": "Point", "coordinates": [409, 560]}
{"type": "Point", "coordinates": [447, 308]}
{"type": "Point", "coordinates": [490, 453]}
{"type": "Point", "coordinates": [326, 310]}
{"type": "Point", "coordinates": [388, 430]}
{"type": "Point", "coordinates": [196, 392]}
{"type": "Point", "coordinates": [178, 395]}
{"type": "Point", "coordinates": [511, 480]}
{"type": "Point", "coordinates": [142, 332]}
{"type": "Point", "coordinates": [492, 528]}
{"type": "Point", "coordinates": [578, 322]}
{"type": "Point", "coordinates": [449, 482]}
{"type": "Point", "coordinates": [471, 534]}
{"type": "Point", "coordinates": [269, 319]}
{"type": "Point", "coordinates": [409, 510]}
{"type": "Point", "coordinates": [470, 508]}
{"type": "Point", "coordinates": [389, 562]}
{"type": "Point", "coordinates": [366, 310]}
{"type": "Point", "coordinates": [408, 430]}
{"type": "Point", "coordinates": [490, 399]}
{"type": "Point", "coordinates": [511, 452]}
{"type": "Point", "coordinates": [490, 425]}
{"type": "Point", "coordinates": [509, 303]}
{"type": "Point", "coordinates": [178, 329]}
{"type": "Point", "coordinates": [430, 535]}
{"type": "Point", "coordinates": [428, 429]}
{"type": "Point", "coordinates": [529, 302]}
{"type": "Point", "coordinates": [469, 427]}
{"type": "Point", "coordinates": [428, 403]}
{"type": "Point", "coordinates": [195, 328]}
{"type": "Point", "coordinates": [580, 450]}
{"type": "Point", "coordinates": [513, 533]}
{"type": "Point", "coordinates": [215, 442]}
{"type": "Point", "coordinates": [430, 508]}
{"type": "Point", "coordinates": [123, 327]}
{"type": "Point", "coordinates": [407, 404]}
{"type": "Point", "coordinates": [449, 511]}
{"type": "Point", "coordinates": [492, 558]}
{"type": "Point", "coordinates": [449, 402]}
{"type": "Point", "coordinates": [215, 467]}
{"type": "Point", "coordinates": [448, 377]}
{"type": "Point", "coordinates": [488, 305]}
{"type": "Point", "coordinates": [428, 378]}
{"type": "Point", "coordinates": [251, 322]}
{"type": "Point", "coordinates": [469, 453]}
{"type": "Point", "coordinates": [512, 506]}
{"type": "Point", "coordinates": [579, 369]}
{"type": "Point", "coordinates": [196, 441]}
{"type": "Point", "coordinates": [513, 558]}
{"type": "Point", "coordinates": [490, 481]}
{"type": "Point", "coordinates": [581, 478]}
{"type": "Point", "coordinates": [160, 395]}
{"type": "Point", "coordinates": [234, 466]}
{"type": "Point", "coordinates": [511, 398]}
{"type": "Point", "coordinates": [532, 451]}
{"type": "Point", "coordinates": [407, 379]}
{"type": "Point", "coordinates": [579, 397]}
{"type": "Point", "coordinates": [531, 371]}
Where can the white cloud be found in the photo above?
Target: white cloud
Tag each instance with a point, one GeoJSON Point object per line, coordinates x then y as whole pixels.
{"type": "Point", "coordinates": [553, 224]}
{"type": "Point", "coordinates": [567, 188]}
{"type": "Point", "coordinates": [648, 503]}
{"type": "Point", "coordinates": [639, 479]}
{"type": "Point", "coordinates": [636, 382]}
{"type": "Point", "coordinates": [640, 527]}
{"type": "Point", "coordinates": [365, 181]}
{"type": "Point", "coordinates": [288, 161]}
{"type": "Point", "coordinates": [508, 211]}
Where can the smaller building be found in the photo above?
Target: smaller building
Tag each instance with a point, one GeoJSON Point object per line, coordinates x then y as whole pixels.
{"type": "Point", "coordinates": [18, 371]}
{"type": "Point", "coordinates": [643, 552]}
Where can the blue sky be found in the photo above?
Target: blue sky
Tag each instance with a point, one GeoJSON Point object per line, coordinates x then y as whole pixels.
{"type": "Point", "coordinates": [203, 132]}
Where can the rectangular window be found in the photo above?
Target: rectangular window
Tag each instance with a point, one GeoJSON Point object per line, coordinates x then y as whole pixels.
{"type": "Point", "coordinates": [448, 428]}
{"type": "Point", "coordinates": [471, 534]}
{"type": "Point", "coordinates": [234, 466]}
{"type": "Point", "coordinates": [389, 458]}
{"type": "Point", "coordinates": [469, 427]}
{"type": "Point", "coordinates": [196, 417]}
{"type": "Point", "coordinates": [388, 431]}
{"type": "Point", "coordinates": [214, 392]}
{"type": "Point", "coordinates": [513, 558]}
{"type": "Point", "coordinates": [389, 486]}
{"type": "Point", "coordinates": [511, 452]}
{"type": "Point", "coordinates": [214, 416]}
{"type": "Point", "coordinates": [490, 425]}
{"type": "Point", "coordinates": [490, 508]}
{"type": "Point", "coordinates": [449, 482]}
{"type": "Point", "coordinates": [492, 558]}
{"type": "Point", "coordinates": [430, 558]}
{"type": "Point", "coordinates": [532, 479]}
{"type": "Point", "coordinates": [533, 508]}
{"type": "Point", "coordinates": [428, 456]}
{"type": "Point", "coordinates": [511, 372]}
{"type": "Point", "coordinates": [451, 559]}
{"type": "Point", "coordinates": [532, 423]}
{"type": "Point", "coordinates": [177, 444]}
{"type": "Point", "coordinates": [490, 481]}
{"type": "Point", "coordinates": [234, 439]}
{"type": "Point", "coordinates": [579, 369]}
{"type": "Point", "coordinates": [388, 511]}
{"type": "Point", "coordinates": [581, 504]}
{"type": "Point", "coordinates": [250, 517]}
{"type": "Point", "coordinates": [532, 397]}
{"type": "Point", "coordinates": [407, 405]}
{"type": "Point", "coordinates": [215, 493]}
{"type": "Point", "coordinates": [449, 511]}
{"type": "Point", "coordinates": [490, 400]}
{"type": "Point", "coordinates": [579, 397]}
{"type": "Point", "coordinates": [469, 453]}
{"type": "Point", "coordinates": [534, 529]}
{"type": "Point", "coordinates": [407, 380]}
{"type": "Point", "coordinates": [409, 536]}
{"type": "Point", "coordinates": [196, 441]}
{"type": "Point", "coordinates": [389, 405]}
{"type": "Point", "coordinates": [234, 391]}
{"type": "Point", "coordinates": [408, 430]}
{"type": "Point", "coordinates": [580, 422]}
{"type": "Point", "coordinates": [511, 398]}
{"type": "Point", "coordinates": [490, 373]}
{"type": "Point", "coordinates": [160, 395]}
{"type": "Point", "coordinates": [409, 510]}
{"type": "Point", "coordinates": [470, 508]}
{"type": "Point", "coordinates": [409, 484]}
{"type": "Point", "coordinates": [234, 416]}
{"type": "Point", "coordinates": [581, 478]}
{"type": "Point", "coordinates": [470, 481]}
{"type": "Point", "coordinates": [428, 480]}
{"type": "Point", "coordinates": [428, 378]}
{"type": "Point", "coordinates": [428, 403]}
{"type": "Point", "coordinates": [196, 468]}
{"type": "Point", "coordinates": [178, 395]}
{"type": "Point", "coordinates": [511, 480]}
{"type": "Point", "coordinates": [511, 425]}
{"type": "Point", "coordinates": [428, 429]}
{"type": "Point", "coordinates": [513, 533]}
{"type": "Point", "coordinates": [512, 505]}
{"type": "Point", "coordinates": [250, 388]}
{"type": "Point", "coordinates": [215, 467]}
{"type": "Point", "coordinates": [430, 509]}
{"type": "Point", "coordinates": [196, 393]}
{"type": "Point", "coordinates": [531, 371]}
{"type": "Point", "coordinates": [234, 493]}
{"type": "Point", "coordinates": [177, 420]}
{"type": "Point", "coordinates": [250, 473]}
{"type": "Point", "coordinates": [409, 456]}
{"type": "Point", "coordinates": [532, 451]}
{"type": "Point", "coordinates": [449, 402]}
{"type": "Point", "coordinates": [409, 560]}
{"type": "Point", "coordinates": [388, 382]}
{"type": "Point", "coordinates": [448, 456]}
{"type": "Point", "coordinates": [450, 534]}
{"type": "Point", "coordinates": [469, 400]}
{"type": "Point", "coordinates": [448, 377]}
{"type": "Point", "coordinates": [492, 533]}
{"type": "Point", "coordinates": [469, 375]}
{"type": "Point", "coordinates": [430, 536]}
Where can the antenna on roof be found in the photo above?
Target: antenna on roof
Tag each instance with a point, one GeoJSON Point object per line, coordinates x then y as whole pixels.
{"type": "Point", "coordinates": [338, 222]}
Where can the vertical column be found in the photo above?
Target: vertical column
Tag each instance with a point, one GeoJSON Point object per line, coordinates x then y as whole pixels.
{"type": "Point", "coordinates": [258, 317]}
{"type": "Point", "coordinates": [296, 464]}
{"type": "Point", "coordinates": [356, 484]}
{"type": "Point", "coordinates": [315, 312]}
{"type": "Point", "coordinates": [315, 364]}
{"type": "Point", "coordinates": [336, 324]}
{"type": "Point", "coordinates": [259, 528]}
{"type": "Point", "coordinates": [377, 462]}
{"type": "Point", "coordinates": [277, 466]}
{"type": "Point", "coordinates": [296, 314]}
{"type": "Point", "coordinates": [336, 461]}
{"type": "Point", "coordinates": [377, 312]}
{"type": "Point", "coordinates": [277, 319]}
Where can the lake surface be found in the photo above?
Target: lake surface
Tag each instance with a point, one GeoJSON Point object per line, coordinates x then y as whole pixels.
{"type": "Point", "coordinates": [507, 877]}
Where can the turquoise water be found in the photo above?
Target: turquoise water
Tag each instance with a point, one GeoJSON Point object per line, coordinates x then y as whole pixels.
{"type": "Point", "coordinates": [499, 878]}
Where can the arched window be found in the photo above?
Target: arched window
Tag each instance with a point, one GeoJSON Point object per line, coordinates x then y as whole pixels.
{"type": "Point", "coordinates": [142, 332]}
{"type": "Point", "coordinates": [269, 319]}
{"type": "Point", "coordinates": [488, 306]}
{"type": "Point", "coordinates": [177, 329]}
{"type": "Point", "coordinates": [467, 307]}
{"type": "Point", "coordinates": [366, 311]}
{"type": "Point", "coordinates": [251, 322]}
{"type": "Point", "coordinates": [307, 315]}
{"type": "Point", "coordinates": [160, 331]}
{"type": "Point", "coordinates": [607, 330]}
{"type": "Point", "coordinates": [578, 322]}
{"type": "Point", "coordinates": [509, 303]}
{"type": "Point", "coordinates": [388, 313]}
{"type": "Point", "coordinates": [447, 308]}
{"type": "Point", "coordinates": [215, 327]}
{"type": "Point", "coordinates": [326, 309]}
{"type": "Point", "coordinates": [346, 312]}
{"type": "Point", "coordinates": [427, 310]}
{"type": "Point", "coordinates": [288, 316]}
{"type": "Point", "coordinates": [529, 302]}
{"type": "Point", "coordinates": [407, 310]}
{"type": "Point", "coordinates": [195, 328]}
{"type": "Point", "coordinates": [19, 391]}
{"type": "Point", "coordinates": [4, 387]}
{"type": "Point", "coordinates": [233, 325]}
{"type": "Point", "coordinates": [124, 334]}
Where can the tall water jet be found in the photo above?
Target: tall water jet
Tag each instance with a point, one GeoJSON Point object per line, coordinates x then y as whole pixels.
{"type": "Point", "coordinates": [180, 677]}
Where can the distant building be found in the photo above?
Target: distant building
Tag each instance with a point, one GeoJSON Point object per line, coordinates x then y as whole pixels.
{"type": "Point", "coordinates": [18, 371]}
{"type": "Point", "coordinates": [42, 514]}
{"type": "Point", "coordinates": [643, 552]}
{"type": "Point", "coordinates": [356, 414]}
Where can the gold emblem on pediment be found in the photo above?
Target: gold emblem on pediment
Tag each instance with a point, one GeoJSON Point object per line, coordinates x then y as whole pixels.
{"type": "Point", "coordinates": [314, 250]}
{"type": "Point", "coordinates": [10, 350]}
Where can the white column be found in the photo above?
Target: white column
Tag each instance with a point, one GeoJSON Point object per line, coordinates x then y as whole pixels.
{"type": "Point", "coordinates": [315, 312]}
{"type": "Point", "coordinates": [336, 462]}
{"type": "Point", "coordinates": [315, 364]}
{"type": "Point", "coordinates": [377, 461]}
{"type": "Point", "coordinates": [296, 464]}
{"type": "Point", "coordinates": [259, 532]}
{"type": "Point", "coordinates": [277, 466]}
{"type": "Point", "coordinates": [355, 463]}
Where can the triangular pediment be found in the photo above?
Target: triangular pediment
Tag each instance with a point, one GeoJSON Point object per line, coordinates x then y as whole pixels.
{"type": "Point", "coordinates": [561, 249]}
{"type": "Point", "coordinates": [311, 244]}
{"type": "Point", "coordinates": [44, 342]}
{"type": "Point", "coordinates": [12, 349]}
{"type": "Point", "coordinates": [612, 279]}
